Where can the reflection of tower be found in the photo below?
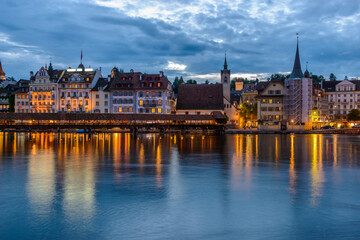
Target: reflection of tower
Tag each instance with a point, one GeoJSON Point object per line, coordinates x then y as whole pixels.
{"type": "Point", "coordinates": [225, 81]}
{"type": "Point", "coordinates": [2, 73]}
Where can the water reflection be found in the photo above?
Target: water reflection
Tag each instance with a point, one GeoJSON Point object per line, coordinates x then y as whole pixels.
{"type": "Point", "coordinates": [77, 182]}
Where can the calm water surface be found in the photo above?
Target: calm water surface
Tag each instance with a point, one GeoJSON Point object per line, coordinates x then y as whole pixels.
{"type": "Point", "coordinates": [115, 186]}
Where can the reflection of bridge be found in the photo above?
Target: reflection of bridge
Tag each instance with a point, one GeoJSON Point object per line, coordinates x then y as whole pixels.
{"type": "Point", "coordinates": [91, 121]}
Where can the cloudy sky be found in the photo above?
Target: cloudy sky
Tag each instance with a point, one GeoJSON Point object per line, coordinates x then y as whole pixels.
{"type": "Point", "coordinates": [181, 37]}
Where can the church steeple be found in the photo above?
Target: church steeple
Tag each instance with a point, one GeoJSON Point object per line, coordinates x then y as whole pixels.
{"type": "Point", "coordinates": [2, 73]}
{"type": "Point", "coordinates": [297, 72]}
{"type": "Point", "coordinates": [225, 63]}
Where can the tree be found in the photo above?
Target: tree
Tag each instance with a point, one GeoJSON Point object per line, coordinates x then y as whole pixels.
{"type": "Point", "coordinates": [332, 77]}
{"type": "Point", "coordinates": [317, 79]}
{"type": "Point", "coordinates": [190, 81]}
{"type": "Point", "coordinates": [232, 84]}
{"type": "Point", "coordinates": [207, 82]}
{"type": "Point", "coordinates": [176, 84]}
{"type": "Point", "coordinates": [278, 76]}
{"type": "Point", "coordinates": [247, 112]}
{"type": "Point", "coordinates": [353, 115]}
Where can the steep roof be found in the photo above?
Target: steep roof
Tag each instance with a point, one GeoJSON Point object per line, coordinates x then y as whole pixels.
{"type": "Point", "coordinates": [153, 82]}
{"type": "Point", "coordinates": [2, 73]}
{"type": "Point", "coordinates": [262, 85]}
{"type": "Point", "coordinates": [330, 86]}
{"type": "Point", "coordinates": [297, 72]}
{"type": "Point", "coordinates": [200, 97]}
{"type": "Point", "coordinates": [124, 81]}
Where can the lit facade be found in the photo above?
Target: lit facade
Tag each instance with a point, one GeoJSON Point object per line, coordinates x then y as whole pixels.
{"type": "Point", "coordinates": [22, 103]}
{"type": "Point", "coordinates": [74, 89]}
{"type": "Point", "coordinates": [343, 96]}
{"type": "Point", "coordinates": [270, 104]}
{"type": "Point", "coordinates": [100, 97]}
{"type": "Point", "coordinates": [43, 94]}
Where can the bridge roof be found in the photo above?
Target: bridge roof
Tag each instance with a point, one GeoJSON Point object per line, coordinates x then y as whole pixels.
{"type": "Point", "coordinates": [110, 116]}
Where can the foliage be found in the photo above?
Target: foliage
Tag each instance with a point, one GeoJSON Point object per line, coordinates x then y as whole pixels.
{"type": "Point", "coordinates": [279, 76]}
{"type": "Point", "coordinates": [190, 81]}
{"type": "Point", "coordinates": [353, 115]}
{"type": "Point", "coordinates": [248, 111]}
{"type": "Point", "coordinates": [332, 77]}
{"type": "Point", "coordinates": [316, 78]}
{"type": "Point", "coordinates": [207, 82]}
{"type": "Point", "coordinates": [176, 84]}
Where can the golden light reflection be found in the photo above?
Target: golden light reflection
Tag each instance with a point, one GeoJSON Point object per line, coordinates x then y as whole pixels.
{"type": "Point", "coordinates": [158, 167]}
{"type": "Point", "coordinates": [316, 172]}
{"type": "Point", "coordinates": [292, 171]}
{"type": "Point", "coordinates": [41, 177]}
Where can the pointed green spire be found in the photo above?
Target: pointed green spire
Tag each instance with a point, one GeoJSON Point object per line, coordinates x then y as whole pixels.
{"type": "Point", "coordinates": [225, 63]}
{"type": "Point", "coordinates": [297, 72]}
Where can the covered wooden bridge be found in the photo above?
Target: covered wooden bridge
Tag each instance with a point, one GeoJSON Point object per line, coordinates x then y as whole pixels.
{"type": "Point", "coordinates": [163, 122]}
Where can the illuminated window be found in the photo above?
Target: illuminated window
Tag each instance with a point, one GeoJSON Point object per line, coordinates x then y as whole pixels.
{"type": "Point", "coordinates": [120, 109]}
{"type": "Point", "coordinates": [86, 110]}
{"type": "Point", "coordinates": [141, 102]}
{"type": "Point", "coordinates": [75, 86]}
{"type": "Point", "coordinates": [147, 94]}
{"type": "Point", "coordinates": [270, 101]}
{"type": "Point", "coordinates": [81, 103]}
{"type": "Point", "coordinates": [153, 110]}
{"type": "Point", "coordinates": [130, 109]}
{"type": "Point", "coordinates": [159, 110]}
{"type": "Point", "coordinates": [159, 102]}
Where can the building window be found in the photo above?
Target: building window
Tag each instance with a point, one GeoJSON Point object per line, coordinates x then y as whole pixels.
{"type": "Point", "coordinates": [86, 102]}
{"type": "Point", "coordinates": [141, 102]}
{"type": "Point", "coordinates": [97, 103]}
{"type": "Point", "coordinates": [120, 109]}
{"type": "Point", "coordinates": [106, 96]}
{"type": "Point", "coordinates": [159, 102]}
{"type": "Point", "coordinates": [97, 95]}
{"type": "Point", "coordinates": [159, 110]}
{"type": "Point", "coordinates": [130, 109]}
{"type": "Point", "coordinates": [106, 111]}
{"type": "Point", "coordinates": [106, 103]}
{"type": "Point", "coordinates": [153, 110]}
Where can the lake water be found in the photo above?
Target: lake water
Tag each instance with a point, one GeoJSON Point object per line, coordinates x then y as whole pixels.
{"type": "Point", "coordinates": [115, 186]}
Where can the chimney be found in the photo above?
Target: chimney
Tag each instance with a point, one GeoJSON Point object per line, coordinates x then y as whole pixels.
{"type": "Point", "coordinates": [31, 74]}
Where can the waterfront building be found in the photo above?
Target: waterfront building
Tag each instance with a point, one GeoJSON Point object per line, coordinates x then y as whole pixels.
{"type": "Point", "coordinates": [74, 87]}
{"type": "Point", "coordinates": [154, 94]}
{"type": "Point", "coordinates": [122, 91]}
{"type": "Point", "coordinates": [100, 97]}
{"type": "Point", "coordinates": [7, 98]}
{"type": "Point", "coordinates": [298, 95]}
{"type": "Point", "coordinates": [320, 109]}
{"type": "Point", "coordinates": [22, 103]}
{"type": "Point", "coordinates": [249, 93]}
{"type": "Point", "coordinates": [5, 81]}
{"type": "Point", "coordinates": [43, 94]}
{"type": "Point", "coordinates": [343, 96]}
{"type": "Point", "coordinates": [270, 105]}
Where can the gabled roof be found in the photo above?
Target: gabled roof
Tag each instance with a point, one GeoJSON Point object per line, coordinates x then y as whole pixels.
{"type": "Point", "coordinates": [330, 86]}
{"type": "Point", "coordinates": [151, 82]}
{"type": "Point", "coordinates": [200, 97]}
{"type": "Point", "coordinates": [124, 81]}
{"type": "Point", "coordinates": [262, 85]}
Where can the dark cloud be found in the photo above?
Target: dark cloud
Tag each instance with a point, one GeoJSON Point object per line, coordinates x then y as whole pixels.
{"type": "Point", "coordinates": [259, 36]}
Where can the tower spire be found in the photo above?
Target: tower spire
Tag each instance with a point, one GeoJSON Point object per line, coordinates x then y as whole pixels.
{"type": "Point", "coordinates": [297, 72]}
{"type": "Point", "coordinates": [225, 63]}
{"type": "Point", "coordinates": [2, 73]}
